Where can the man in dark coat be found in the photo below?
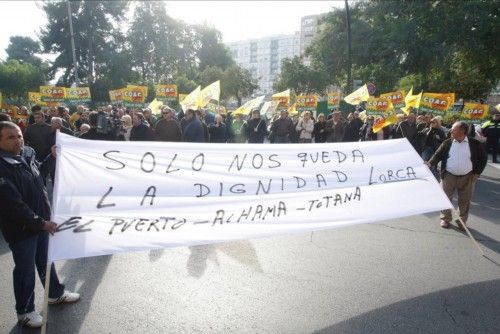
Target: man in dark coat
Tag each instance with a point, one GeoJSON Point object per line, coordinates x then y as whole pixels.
{"type": "Point", "coordinates": [193, 129]}
{"type": "Point", "coordinates": [25, 224]}
{"type": "Point", "coordinates": [256, 128]}
{"type": "Point", "coordinates": [140, 130]}
{"type": "Point", "coordinates": [168, 128]}
{"type": "Point", "coordinates": [491, 130]}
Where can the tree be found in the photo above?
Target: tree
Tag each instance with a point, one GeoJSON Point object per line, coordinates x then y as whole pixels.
{"type": "Point", "coordinates": [447, 47]}
{"type": "Point", "coordinates": [301, 78]}
{"type": "Point", "coordinates": [154, 42]}
{"type": "Point", "coordinates": [24, 50]}
{"type": "Point", "coordinates": [237, 83]}
{"type": "Point", "coordinates": [97, 37]}
{"type": "Point", "coordinates": [17, 79]}
{"type": "Point", "coordinates": [211, 51]}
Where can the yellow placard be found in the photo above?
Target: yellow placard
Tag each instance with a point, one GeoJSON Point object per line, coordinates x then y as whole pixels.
{"type": "Point", "coordinates": [166, 92]}
{"type": "Point", "coordinates": [306, 102]}
{"type": "Point", "coordinates": [474, 112]}
{"type": "Point", "coordinates": [436, 103]}
{"type": "Point", "coordinates": [283, 98]}
{"type": "Point", "coordinates": [52, 93]}
{"type": "Point", "coordinates": [397, 98]}
{"type": "Point", "coordinates": [378, 106]}
{"type": "Point", "coordinates": [116, 96]}
{"type": "Point", "coordinates": [333, 100]}
{"type": "Point", "coordinates": [78, 94]}
{"type": "Point", "coordinates": [134, 96]}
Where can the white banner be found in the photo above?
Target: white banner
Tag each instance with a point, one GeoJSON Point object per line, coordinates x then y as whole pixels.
{"type": "Point", "coordinates": [112, 197]}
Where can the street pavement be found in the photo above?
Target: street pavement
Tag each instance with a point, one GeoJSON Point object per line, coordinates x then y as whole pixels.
{"type": "Point", "coordinates": [400, 276]}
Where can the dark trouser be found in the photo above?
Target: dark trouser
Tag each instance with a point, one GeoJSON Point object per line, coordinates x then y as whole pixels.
{"type": "Point", "coordinates": [281, 139]}
{"type": "Point", "coordinates": [492, 143]}
{"type": "Point", "coordinates": [27, 254]}
{"type": "Point", "coordinates": [427, 153]}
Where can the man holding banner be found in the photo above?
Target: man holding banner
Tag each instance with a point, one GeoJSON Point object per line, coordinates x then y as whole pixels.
{"type": "Point", "coordinates": [25, 223]}
{"type": "Point", "coordinates": [462, 159]}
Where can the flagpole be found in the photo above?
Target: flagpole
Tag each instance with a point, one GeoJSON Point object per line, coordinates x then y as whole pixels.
{"type": "Point", "coordinates": [46, 297]}
{"type": "Point", "coordinates": [470, 235]}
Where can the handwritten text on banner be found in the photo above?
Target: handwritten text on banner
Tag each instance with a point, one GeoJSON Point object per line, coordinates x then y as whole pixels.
{"type": "Point", "coordinates": [151, 195]}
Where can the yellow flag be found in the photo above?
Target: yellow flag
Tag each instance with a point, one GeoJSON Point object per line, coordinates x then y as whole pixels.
{"type": "Point", "coordinates": [293, 109]}
{"type": "Point", "coordinates": [246, 108]}
{"type": "Point", "coordinates": [191, 100]}
{"type": "Point", "coordinates": [383, 121]}
{"type": "Point", "coordinates": [155, 106]}
{"type": "Point", "coordinates": [211, 92]}
{"type": "Point", "coordinates": [411, 101]}
{"type": "Point", "coordinates": [359, 95]}
{"type": "Point", "coordinates": [283, 98]}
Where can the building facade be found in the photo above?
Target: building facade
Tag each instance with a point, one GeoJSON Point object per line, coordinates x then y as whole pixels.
{"type": "Point", "coordinates": [308, 28]}
{"type": "Point", "coordinates": [263, 56]}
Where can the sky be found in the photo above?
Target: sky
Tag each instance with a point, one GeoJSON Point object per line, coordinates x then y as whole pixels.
{"type": "Point", "coordinates": [237, 20]}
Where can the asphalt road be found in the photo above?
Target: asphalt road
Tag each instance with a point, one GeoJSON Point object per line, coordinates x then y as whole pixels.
{"type": "Point", "coordinates": [400, 276]}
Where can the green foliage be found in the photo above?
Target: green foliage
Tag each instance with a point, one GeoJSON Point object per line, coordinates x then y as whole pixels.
{"type": "Point", "coordinates": [433, 45]}
{"type": "Point", "coordinates": [97, 37]}
{"type": "Point", "coordinates": [212, 52]}
{"type": "Point", "coordinates": [237, 83]}
{"type": "Point", "coordinates": [17, 79]}
{"type": "Point", "coordinates": [301, 78]}
{"type": "Point", "coordinates": [23, 49]}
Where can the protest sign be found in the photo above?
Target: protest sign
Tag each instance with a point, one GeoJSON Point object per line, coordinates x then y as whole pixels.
{"type": "Point", "coordinates": [146, 195]}
{"type": "Point", "coordinates": [474, 112]}
{"type": "Point", "coordinates": [436, 103]}
{"type": "Point", "coordinates": [283, 99]}
{"type": "Point", "coordinates": [397, 98]}
{"type": "Point", "coordinates": [333, 100]}
{"type": "Point", "coordinates": [166, 93]}
{"type": "Point", "coordinates": [306, 102]}
{"type": "Point", "coordinates": [378, 106]}
{"type": "Point", "coordinates": [134, 96]}
{"type": "Point", "coordinates": [77, 95]}
{"type": "Point", "coordinates": [116, 96]}
{"type": "Point", "coordinates": [52, 94]}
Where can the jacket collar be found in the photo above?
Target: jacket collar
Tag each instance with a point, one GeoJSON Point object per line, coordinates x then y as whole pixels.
{"type": "Point", "coordinates": [12, 159]}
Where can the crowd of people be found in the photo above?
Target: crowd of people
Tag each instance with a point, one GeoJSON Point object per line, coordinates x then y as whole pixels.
{"type": "Point", "coordinates": [24, 170]}
{"type": "Point", "coordinates": [424, 132]}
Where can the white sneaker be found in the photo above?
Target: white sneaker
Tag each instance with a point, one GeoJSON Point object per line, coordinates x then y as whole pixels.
{"type": "Point", "coordinates": [66, 297]}
{"type": "Point", "coordinates": [31, 320]}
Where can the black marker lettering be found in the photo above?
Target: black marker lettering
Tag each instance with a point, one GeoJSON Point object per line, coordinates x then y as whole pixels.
{"type": "Point", "coordinates": [100, 205]}
{"type": "Point", "coordinates": [105, 154]}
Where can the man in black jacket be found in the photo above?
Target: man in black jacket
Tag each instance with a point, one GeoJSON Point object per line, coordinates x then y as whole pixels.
{"type": "Point", "coordinates": [462, 159]}
{"type": "Point", "coordinates": [140, 131]}
{"type": "Point", "coordinates": [256, 128]}
{"type": "Point", "coordinates": [25, 224]}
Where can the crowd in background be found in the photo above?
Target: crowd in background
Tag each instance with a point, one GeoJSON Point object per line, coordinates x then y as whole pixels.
{"type": "Point", "coordinates": [424, 132]}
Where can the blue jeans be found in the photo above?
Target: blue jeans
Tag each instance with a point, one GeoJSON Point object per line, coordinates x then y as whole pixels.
{"type": "Point", "coordinates": [427, 153]}
{"type": "Point", "coordinates": [27, 254]}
